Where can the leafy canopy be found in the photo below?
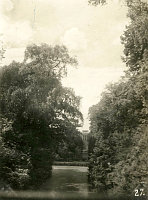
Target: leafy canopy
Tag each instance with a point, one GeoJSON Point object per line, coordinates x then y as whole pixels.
{"type": "Point", "coordinates": [41, 111]}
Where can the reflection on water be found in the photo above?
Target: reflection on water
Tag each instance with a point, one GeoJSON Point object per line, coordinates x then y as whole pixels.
{"type": "Point", "coordinates": [67, 179]}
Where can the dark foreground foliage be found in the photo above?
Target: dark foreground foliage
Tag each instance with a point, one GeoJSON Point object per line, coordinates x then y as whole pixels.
{"type": "Point", "coordinates": [61, 196]}
{"type": "Point", "coordinates": [119, 121]}
{"type": "Point", "coordinates": [36, 112]}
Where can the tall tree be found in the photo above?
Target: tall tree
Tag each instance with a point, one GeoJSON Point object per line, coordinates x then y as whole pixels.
{"type": "Point", "coordinates": [40, 108]}
{"type": "Point", "coordinates": [119, 120]}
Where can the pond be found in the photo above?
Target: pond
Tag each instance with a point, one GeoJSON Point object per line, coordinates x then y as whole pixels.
{"type": "Point", "coordinates": [67, 179]}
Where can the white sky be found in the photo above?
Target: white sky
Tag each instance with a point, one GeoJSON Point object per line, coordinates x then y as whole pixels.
{"type": "Point", "coordinates": [92, 34]}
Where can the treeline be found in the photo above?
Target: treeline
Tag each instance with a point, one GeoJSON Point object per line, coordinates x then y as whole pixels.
{"type": "Point", "coordinates": [118, 163]}
{"type": "Point", "coordinates": [70, 148]}
{"type": "Point", "coordinates": [37, 113]}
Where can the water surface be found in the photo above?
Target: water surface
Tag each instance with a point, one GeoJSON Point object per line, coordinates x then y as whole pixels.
{"type": "Point", "coordinates": [68, 179]}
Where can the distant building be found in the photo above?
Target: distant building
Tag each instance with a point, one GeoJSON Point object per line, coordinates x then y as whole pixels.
{"type": "Point", "coordinates": [85, 136]}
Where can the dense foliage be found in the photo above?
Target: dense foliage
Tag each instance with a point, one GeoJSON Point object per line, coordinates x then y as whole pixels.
{"type": "Point", "coordinates": [70, 148]}
{"type": "Point", "coordinates": [119, 161]}
{"type": "Point", "coordinates": [37, 112]}
{"type": "Point", "coordinates": [96, 2]}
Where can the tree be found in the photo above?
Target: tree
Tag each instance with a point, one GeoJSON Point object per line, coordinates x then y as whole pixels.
{"type": "Point", "coordinates": [42, 111]}
{"type": "Point", "coordinates": [118, 123]}
{"type": "Point", "coordinates": [135, 37]}
{"type": "Point", "coordinates": [70, 148]}
{"type": "Point", "coordinates": [119, 120]}
{"type": "Point", "coordinates": [96, 2]}
{"type": "Point", "coordinates": [112, 119]}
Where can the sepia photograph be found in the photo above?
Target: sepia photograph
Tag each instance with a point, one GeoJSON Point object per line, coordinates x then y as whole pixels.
{"type": "Point", "coordinates": [73, 99]}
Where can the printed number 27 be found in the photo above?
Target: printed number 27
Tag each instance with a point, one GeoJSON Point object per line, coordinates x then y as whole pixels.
{"type": "Point", "coordinates": [139, 192]}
